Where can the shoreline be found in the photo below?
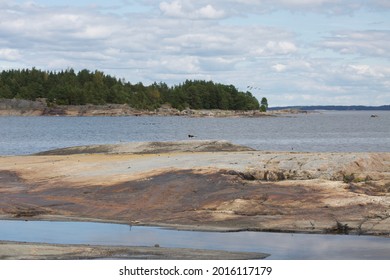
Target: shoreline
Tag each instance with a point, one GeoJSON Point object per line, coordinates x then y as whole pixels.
{"type": "Point", "coordinates": [182, 227]}
{"type": "Point", "coordinates": [13, 107]}
{"type": "Point", "coordinates": [10, 250]}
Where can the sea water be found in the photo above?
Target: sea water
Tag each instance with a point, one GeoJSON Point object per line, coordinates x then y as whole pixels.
{"type": "Point", "coordinates": [328, 131]}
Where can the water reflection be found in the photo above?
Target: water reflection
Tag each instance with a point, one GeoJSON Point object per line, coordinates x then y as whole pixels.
{"type": "Point", "coordinates": [279, 245]}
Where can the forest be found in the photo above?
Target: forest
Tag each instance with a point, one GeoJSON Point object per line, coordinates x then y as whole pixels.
{"type": "Point", "coordinates": [67, 87]}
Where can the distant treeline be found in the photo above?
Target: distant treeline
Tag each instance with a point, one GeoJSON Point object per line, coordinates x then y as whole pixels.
{"type": "Point", "coordinates": [85, 87]}
{"type": "Point", "coordinates": [336, 108]}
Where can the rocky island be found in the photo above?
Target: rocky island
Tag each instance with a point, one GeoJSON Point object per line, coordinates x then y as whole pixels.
{"type": "Point", "coordinates": [201, 185]}
{"type": "Point", "coordinates": [28, 108]}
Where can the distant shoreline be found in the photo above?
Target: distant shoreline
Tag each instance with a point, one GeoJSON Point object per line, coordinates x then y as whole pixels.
{"type": "Point", "coordinates": [20, 107]}
{"type": "Point", "coordinates": [333, 108]}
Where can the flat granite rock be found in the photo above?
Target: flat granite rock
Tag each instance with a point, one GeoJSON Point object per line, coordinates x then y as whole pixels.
{"type": "Point", "coordinates": [208, 185]}
{"type": "Point", "coordinates": [151, 148]}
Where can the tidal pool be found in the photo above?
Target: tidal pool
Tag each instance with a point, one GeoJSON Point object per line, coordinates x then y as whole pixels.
{"type": "Point", "coordinates": [284, 246]}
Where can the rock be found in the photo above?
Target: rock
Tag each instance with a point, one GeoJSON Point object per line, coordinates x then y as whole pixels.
{"type": "Point", "coordinates": [201, 185]}
{"type": "Point", "coordinates": [54, 111]}
{"type": "Point", "coordinates": [274, 176]}
{"type": "Point", "coordinates": [152, 148]}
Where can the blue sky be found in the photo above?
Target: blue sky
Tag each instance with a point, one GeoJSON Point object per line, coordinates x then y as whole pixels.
{"type": "Point", "coordinates": [294, 52]}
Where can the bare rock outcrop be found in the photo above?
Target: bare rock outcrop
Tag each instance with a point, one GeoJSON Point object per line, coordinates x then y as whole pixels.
{"type": "Point", "coordinates": [152, 148]}
{"type": "Point", "coordinates": [211, 185]}
{"type": "Point", "coordinates": [328, 166]}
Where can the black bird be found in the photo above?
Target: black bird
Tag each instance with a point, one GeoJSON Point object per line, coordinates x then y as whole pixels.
{"type": "Point", "coordinates": [190, 136]}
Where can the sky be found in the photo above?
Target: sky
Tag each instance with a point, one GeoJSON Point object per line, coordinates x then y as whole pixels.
{"type": "Point", "coordinates": [294, 52]}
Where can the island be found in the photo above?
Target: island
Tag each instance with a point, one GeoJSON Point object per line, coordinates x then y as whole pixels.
{"type": "Point", "coordinates": [65, 92]}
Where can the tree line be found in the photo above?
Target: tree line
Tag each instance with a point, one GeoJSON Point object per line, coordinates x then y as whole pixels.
{"type": "Point", "coordinates": [67, 87]}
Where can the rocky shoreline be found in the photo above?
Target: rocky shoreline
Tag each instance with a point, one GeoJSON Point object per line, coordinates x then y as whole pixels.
{"type": "Point", "coordinates": [204, 185]}
{"type": "Point", "coordinates": [201, 185]}
{"type": "Point", "coordinates": [40, 251]}
{"type": "Point", "coordinates": [16, 107]}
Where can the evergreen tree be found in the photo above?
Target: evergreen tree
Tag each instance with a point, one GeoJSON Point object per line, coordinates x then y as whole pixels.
{"type": "Point", "coordinates": [71, 88]}
{"type": "Point", "coordinates": [264, 105]}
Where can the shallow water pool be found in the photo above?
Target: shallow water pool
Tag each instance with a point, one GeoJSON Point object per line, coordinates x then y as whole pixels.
{"type": "Point", "coordinates": [285, 246]}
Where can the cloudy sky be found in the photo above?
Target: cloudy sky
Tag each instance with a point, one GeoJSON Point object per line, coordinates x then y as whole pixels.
{"type": "Point", "coordinates": [294, 52]}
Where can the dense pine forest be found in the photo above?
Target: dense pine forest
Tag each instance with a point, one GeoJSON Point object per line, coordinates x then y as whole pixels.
{"type": "Point", "coordinates": [86, 87]}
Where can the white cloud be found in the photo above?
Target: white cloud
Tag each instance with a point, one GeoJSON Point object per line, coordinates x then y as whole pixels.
{"type": "Point", "coordinates": [186, 64]}
{"type": "Point", "coordinates": [369, 42]}
{"type": "Point", "coordinates": [9, 54]}
{"type": "Point", "coordinates": [209, 12]}
{"type": "Point", "coordinates": [173, 9]}
{"type": "Point", "coordinates": [294, 65]}
{"type": "Point", "coordinates": [186, 9]}
{"type": "Point", "coordinates": [307, 2]}
{"type": "Point", "coordinates": [279, 67]}
{"type": "Point", "coordinates": [367, 71]}
{"type": "Point", "coordinates": [94, 32]}
{"type": "Point", "coordinates": [277, 48]}
{"type": "Point", "coordinates": [330, 7]}
{"type": "Point", "coordinates": [319, 81]}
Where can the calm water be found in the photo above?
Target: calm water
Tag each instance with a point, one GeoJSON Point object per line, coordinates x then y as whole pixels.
{"type": "Point", "coordinates": [279, 245]}
{"type": "Point", "coordinates": [327, 131]}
